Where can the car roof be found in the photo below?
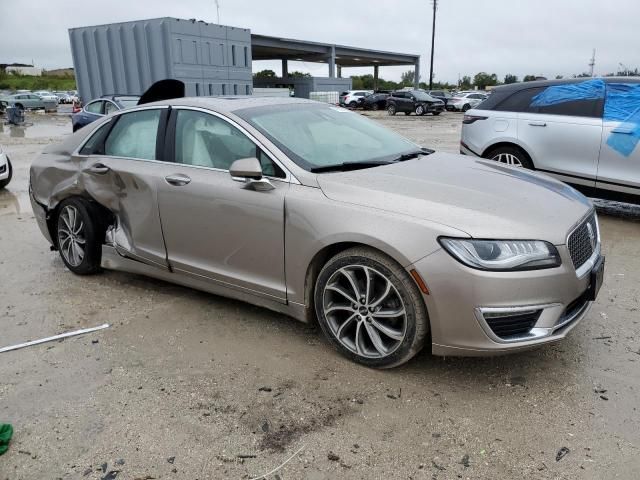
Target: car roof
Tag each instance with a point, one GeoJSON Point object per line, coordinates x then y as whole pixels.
{"type": "Point", "coordinates": [514, 87]}
{"type": "Point", "coordinates": [233, 103]}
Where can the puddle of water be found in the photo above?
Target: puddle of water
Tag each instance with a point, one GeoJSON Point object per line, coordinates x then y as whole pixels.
{"type": "Point", "coordinates": [36, 128]}
{"type": "Point", "coordinates": [14, 203]}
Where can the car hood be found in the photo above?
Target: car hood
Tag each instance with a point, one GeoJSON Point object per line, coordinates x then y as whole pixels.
{"type": "Point", "coordinates": [482, 198]}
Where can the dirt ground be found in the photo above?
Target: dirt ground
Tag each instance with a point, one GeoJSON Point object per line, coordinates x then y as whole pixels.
{"type": "Point", "coordinates": [186, 385]}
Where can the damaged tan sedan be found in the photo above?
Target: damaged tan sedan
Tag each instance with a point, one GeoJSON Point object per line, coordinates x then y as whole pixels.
{"type": "Point", "coordinates": [318, 212]}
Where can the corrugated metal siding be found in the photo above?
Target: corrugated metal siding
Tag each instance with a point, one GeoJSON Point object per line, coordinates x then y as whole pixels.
{"type": "Point", "coordinates": [129, 57]}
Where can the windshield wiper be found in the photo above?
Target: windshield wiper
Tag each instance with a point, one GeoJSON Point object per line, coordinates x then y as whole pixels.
{"type": "Point", "coordinates": [346, 166]}
{"type": "Point", "coordinates": [410, 155]}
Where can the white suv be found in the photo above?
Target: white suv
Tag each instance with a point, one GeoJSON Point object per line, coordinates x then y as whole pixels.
{"type": "Point", "coordinates": [583, 132]}
{"type": "Point", "coordinates": [5, 169]}
{"type": "Point", "coordinates": [351, 97]}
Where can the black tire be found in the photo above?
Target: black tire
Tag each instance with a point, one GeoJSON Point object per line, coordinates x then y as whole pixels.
{"type": "Point", "coordinates": [391, 110]}
{"type": "Point", "coordinates": [416, 320]}
{"type": "Point", "coordinates": [466, 107]}
{"type": "Point", "coordinates": [518, 153]}
{"type": "Point", "coordinates": [420, 110]}
{"type": "Point", "coordinates": [92, 233]}
{"type": "Point", "coordinates": [353, 105]}
{"type": "Point", "coordinates": [435, 114]}
{"type": "Point", "coordinates": [375, 107]}
{"type": "Point", "coordinates": [5, 182]}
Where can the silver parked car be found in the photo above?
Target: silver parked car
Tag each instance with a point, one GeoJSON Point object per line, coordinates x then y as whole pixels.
{"type": "Point", "coordinates": [463, 101]}
{"type": "Point", "coordinates": [583, 132]}
{"type": "Point", "coordinates": [317, 212]}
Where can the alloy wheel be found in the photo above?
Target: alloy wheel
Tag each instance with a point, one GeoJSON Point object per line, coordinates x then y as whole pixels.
{"type": "Point", "coordinates": [508, 159]}
{"type": "Point", "coordinates": [364, 311]}
{"type": "Point", "coordinates": [71, 239]}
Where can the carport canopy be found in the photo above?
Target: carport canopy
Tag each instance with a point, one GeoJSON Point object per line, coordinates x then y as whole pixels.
{"type": "Point", "coordinates": [275, 48]}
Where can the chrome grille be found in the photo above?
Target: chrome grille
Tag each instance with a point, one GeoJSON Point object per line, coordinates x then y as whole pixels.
{"type": "Point", "coordinates": [583, 241]}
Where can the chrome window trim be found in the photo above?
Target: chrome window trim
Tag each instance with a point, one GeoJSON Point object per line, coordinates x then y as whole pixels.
{"type": "Point", "coordinates": [586, 267]}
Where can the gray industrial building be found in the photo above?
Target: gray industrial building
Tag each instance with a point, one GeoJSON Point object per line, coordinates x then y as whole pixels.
{"type": "Point", "coordinates": [210, 59]}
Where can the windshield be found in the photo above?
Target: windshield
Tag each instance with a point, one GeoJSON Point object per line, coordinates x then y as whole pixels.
{"type": "Point", "coordinates": [422, 96]}
{"type": "Point", "coordinates": [127, 102]}
{"type": "Point", "coordinates": [320, 135]}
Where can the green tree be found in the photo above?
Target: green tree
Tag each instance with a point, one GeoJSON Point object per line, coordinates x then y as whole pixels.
{"type": "Point", "coordinates": [508, 78]}
{"type": "Point", "coordinates": [407, 78]}
{"type": "Point", "coordinates": [265, 74]}
{"type": "Point", "coordinates": [529, 78]}
{"type": "Point", "coordinates": [483, 80]}
{"type": "Point", "coordinates": [582, 75]}
{"type": "Point", "coordinates": [465, 83]}
{"type": "Point", "coordinates": [559, 77]}
{"type": "Point", "coordinates": [297, 74]}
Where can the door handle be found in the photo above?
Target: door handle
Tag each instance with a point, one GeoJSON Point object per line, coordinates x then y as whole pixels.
{"type": "Point", "coordinates": [177, 180]}
{"type": "Point", "coordinates": [99, 168]}
{"type": "Point", "coordinates": [538, 124]}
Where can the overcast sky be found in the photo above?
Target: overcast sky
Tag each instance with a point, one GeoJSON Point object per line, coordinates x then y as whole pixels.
{"type": "Point", "coordinates": [540, 37]}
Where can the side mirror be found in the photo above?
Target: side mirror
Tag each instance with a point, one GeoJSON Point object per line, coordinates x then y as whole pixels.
{"type": "Point", "coordinates": [249, 172]}
{"type": "Point", "coordinates": [246, 169]}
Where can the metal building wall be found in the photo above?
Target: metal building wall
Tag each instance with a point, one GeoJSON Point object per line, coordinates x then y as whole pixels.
{"type": "Point", "coordinates": [129, 57]}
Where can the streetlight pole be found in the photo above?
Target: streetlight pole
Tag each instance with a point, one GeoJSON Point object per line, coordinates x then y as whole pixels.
{"type": "Point", "coordinates": [433, 41]}
{"type": "Point", "coordinates": [218, 11]}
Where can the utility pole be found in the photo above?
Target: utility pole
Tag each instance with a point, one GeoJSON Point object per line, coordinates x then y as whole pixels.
{"type": "Point", "coordinates": [217, 10]}
{"type": "Point", "coordinates": [433, 41]}
{"type": "Point", "coordinates": [592, 62]}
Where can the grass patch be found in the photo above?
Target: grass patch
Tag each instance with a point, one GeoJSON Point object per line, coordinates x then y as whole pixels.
{"type": "Point", "coordinates": [11, 81]}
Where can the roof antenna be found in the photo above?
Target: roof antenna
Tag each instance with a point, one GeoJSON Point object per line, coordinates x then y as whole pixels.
{"type": "Point", "coordinates": [592, 62]}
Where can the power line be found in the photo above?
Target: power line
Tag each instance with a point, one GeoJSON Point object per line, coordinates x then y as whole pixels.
{"type": "Point", "coordinates": [433, 41]}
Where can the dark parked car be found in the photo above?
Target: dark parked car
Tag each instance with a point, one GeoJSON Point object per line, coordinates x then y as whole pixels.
{"type": "Point", "coordinates": [100, 107]}
{"type": "Point", "coordinates": [375, 101]}
{"type": "Point", "coordinates": [443, 95]}
{"type": "Point", "coordinates": [417, 101]}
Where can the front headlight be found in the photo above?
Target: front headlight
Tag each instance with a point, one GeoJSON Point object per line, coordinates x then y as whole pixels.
{"type": "Point", "coordinates": [503, 255]}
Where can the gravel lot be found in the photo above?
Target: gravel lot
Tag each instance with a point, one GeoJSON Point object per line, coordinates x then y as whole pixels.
{"type": "Point", "coordinates": [186, 385]}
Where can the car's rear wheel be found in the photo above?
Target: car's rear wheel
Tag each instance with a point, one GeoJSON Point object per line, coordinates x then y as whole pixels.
{"type": "Point", "coordinates": [391, 110]}
{"type": "Point", "coordinates": [375, 107]}
{"type": "Point", "coordinates": [419, 110]}
{"type": "Point", "coordinates": [5, 182]}
{"type": "Point", "coordinates": [370, 309]}
{"type": "Point", "coordinates": [466, 107]}
{"type": "Point", "coordinates": [79, 236]}
{"type": "Point", "coordinates": [511, 156]}
{"type": "Point", "coordinates": [353, 104]}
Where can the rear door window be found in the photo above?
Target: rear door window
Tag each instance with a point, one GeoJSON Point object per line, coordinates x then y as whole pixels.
{"type": "Point", "coordinates": [134, 135]}
{"type": "Point", "coordinates": [519, 101]}
{"type": "Point", "coordinates": [576, 108]}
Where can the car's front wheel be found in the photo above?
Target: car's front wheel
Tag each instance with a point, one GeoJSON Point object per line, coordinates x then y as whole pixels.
{"type": "Point", "coordinates": [370, 309]}
{"type": "Point", "coordinates": [510, 156]}
{"type": "Point", "coordinates": [79, 236]}
{"type": "Point", "coordinates": [5, 182]}
{"type": "Point", "coordinates": [419, 110]}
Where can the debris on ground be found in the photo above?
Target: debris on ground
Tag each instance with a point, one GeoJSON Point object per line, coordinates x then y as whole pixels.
{"type": "Point", "coordinates": [562, 453]}
{"type": "Point", "coordinates": [171, 460]}
{"type": "Point", "coordinates": [465, 461]}
{"type": "Point", "coordinates": [111, 475]}
{"type": "Point", "coordinates": [6, 432]}
{"type": "Point", "coordinates": [333, 457]}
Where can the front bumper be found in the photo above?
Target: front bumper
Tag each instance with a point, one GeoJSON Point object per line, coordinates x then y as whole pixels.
{"type": "Point", "coordinates": [463, 302]}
